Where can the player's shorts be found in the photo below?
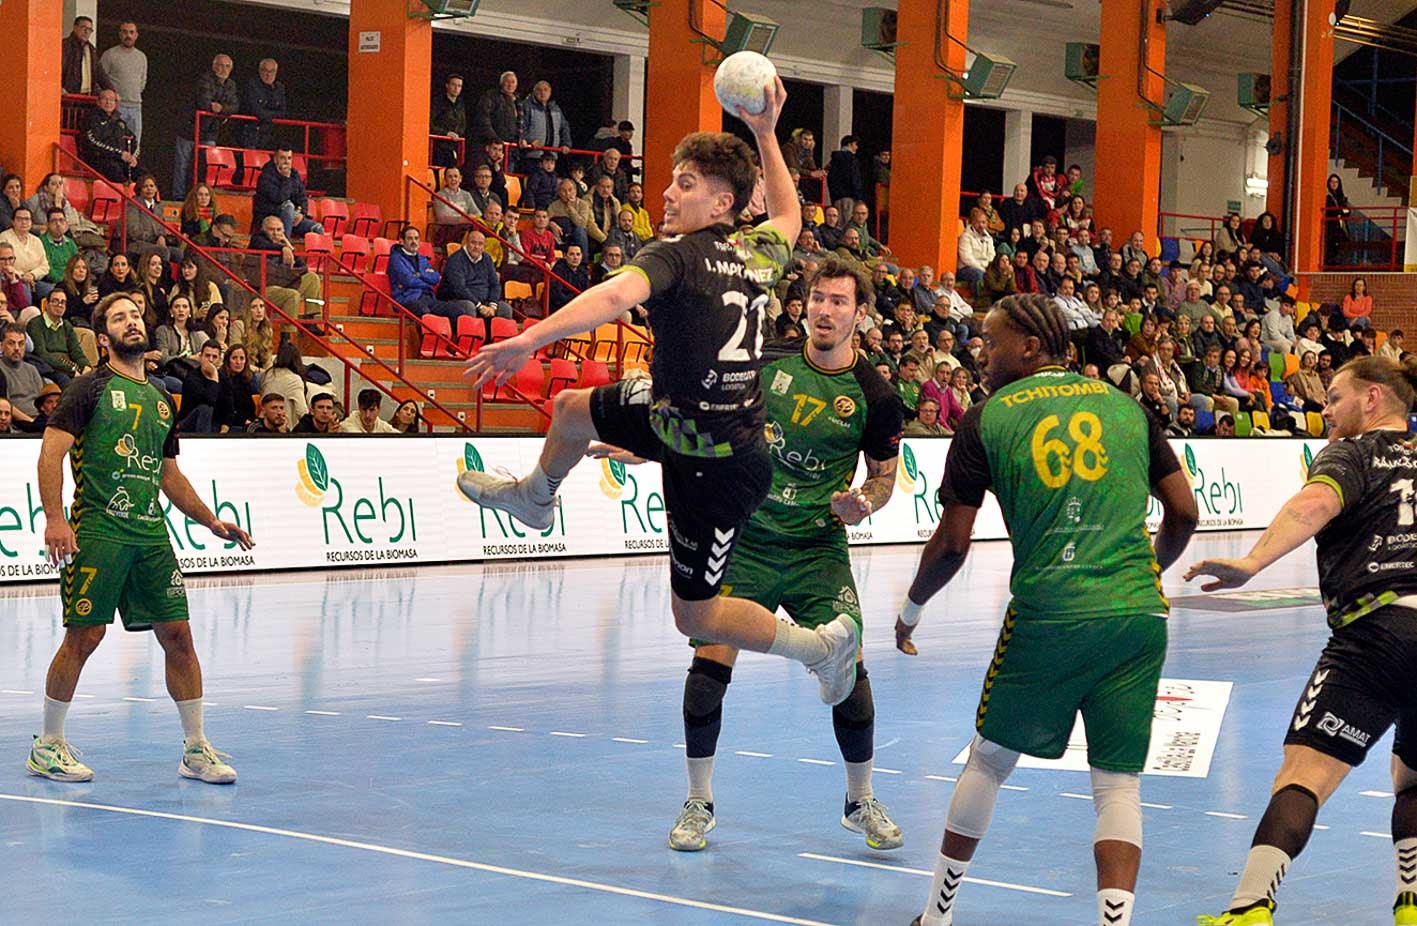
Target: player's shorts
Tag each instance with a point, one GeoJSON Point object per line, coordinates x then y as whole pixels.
{"type": "Point", "coordinates": [707, 501]}
{"type": "Point", "coordinates": [1046, 670]}
{"type": "Point", "coordinates": [1362, 685]}
{"type": "Point", "coordinates": [143, 583]}
{"type": "Point", "coordinates": [813, 584]}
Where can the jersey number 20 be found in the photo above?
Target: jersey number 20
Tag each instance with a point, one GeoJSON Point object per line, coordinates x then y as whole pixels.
{"type": "Point", "coordinates": [1056, 462]}
{"type": "Point", "coordinates": [746, 342]}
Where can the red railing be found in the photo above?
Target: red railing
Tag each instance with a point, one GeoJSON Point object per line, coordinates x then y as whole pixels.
{"type": "Point", "coordinates": [73, 108]}
{"type": "Point", "coordinates": [1370, 239]}
{"type": "Point", "coordinates": [579, 152]}
{"type": "Point", "coordinates": [1188, 227]}
{"type": "Point", "coordinates": [333, 149]}
{"type": "Point", "coordinates": [301, 325]}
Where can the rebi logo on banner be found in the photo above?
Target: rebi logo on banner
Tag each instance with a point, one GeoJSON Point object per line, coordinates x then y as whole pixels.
{"type": "Point", "coordinates": [1220, 500]}
{"type": "Point", "coordinates": [911, 480]}
{"type": "Point", "coordinates": [194, 543]}
{"type": "Point", "coordinates": [638, 516]}
{"type": "Point", "coordinates": [504, 526]}
{"type": "Point", "coordinates": [1306, 459]}
{"type": "Point", "coordinates": [365, 521]}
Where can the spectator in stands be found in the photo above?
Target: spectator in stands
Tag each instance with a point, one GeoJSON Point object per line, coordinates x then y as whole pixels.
{"type": "Point", "coordinates": [1229, 238]}
{"type": "Point", "coordinates": [1195, 308]}
{"type": "Point", "coordinates": [1277, 329]}
{"type": "Point", "coordinates": [482, 192]}
{"type": "Point", "coordinates": [799, 154]}
{"type": "Point", "coordinates": [1152, 400]}
{"type": "Point", "coordinates": [147, 234]}
{"type": "Point", "coordinates": [1046, 184]}
{"type": "Point", "coordinates": [998, 281]}
{"type": "Point", "coordinates": [21, 379]}
{"type": "Point", "coordinates": [1045, 281]}
{"type": "Point", "coordinates": [1208, 335]}
{"type": "Point", "coordinates": [273, 418]}
{"type": "Point", "coordinates": [1135, 249]}
{"type": "Point", "coordinates": [623, 234]}
{"type": "Point", "coordinates": [851, 249]}
{"type": "Point", "coordinates": [927, 420]}
{"type": "Point", "coordinates": [1143, 343]}
{"type": "Point", "coordinates": [540, 245]}
{"type": "Point", "coordinates": [612, 258]}
{"type": "Point", "coordinates": [221, 239]}
{"type": "Point", "coordinates": [206, 404]}
{"type": "Point", "coordinates": [320, 419]}
{"type": "Point", "coordinates": [1020, 210]}
{"type": "Point", "coordinates": [152, 279]}
{"type": "Point", "coordinates": [860, 219]}
{"type": "Point", "coordinates": [951, 311]}
{"type": "Point", "coordinates": [119, 277]}
{"type": "Point", "coordinates": [994, 221]}
{"type": "Point", "coordinates": [543, 124]}
{"type": "Point", "coordinates": [289, 282]}
{"type": "Point", "coordinates": [79, 70]}
{"type": "Point", "coordinates": [499, 234]}
{"type": "Point", "coordinates": [1357, 305]}
{"type": "Point", "coordinates": [45, 405]}
{"type": "Point", "coordinates": [448, 116]}
{"type": "Point", "coordinates": [286, 378]}
{"type": "Point", "coordinates": [199, 210]}
{"type": "Point", "coordinates": [56, 343]}
{"type": "Point", "coordinates": [1336, 213]}
{"type": "Point", "coordinates": [451, 209]}
{"type": "Point", "coordinates": [1237, 377]}
{"type": "Point", "coordinates": [193, 283]}
{"type": "Point", "coordinates": [1267, 243]}
{"type": "Point", "coordinates": [215, 329]}
{"type": "Point", "coordinates": [217, 94]}
{"type": "Point", "coordinates": [125, 70]}
{"type": "Point", "coordinates": [1076, 216]}
{"type": "Point", "coordinates": [635, 201]}
{"type": "Point", "coordinates": [80, 290]}
{"type": "Point", "coordinates": [571, 276]}
{"type": "Point", "coordinates": [976, 249]}
{"type": "Point", "coordinates": [280, 192]}
{"type": "Point", "coordinates": [1082, 250]}
{"type": "Point", "coordinates": [1107, 343]}
{"type": "Point", "coordinates": [414, 281]}
{"type": "Point", "coordinates": [174, 339]}
{"type": "Point", "coordinates": [241, 383]}
{"type": "Point", "coordinates": [604, 212]}
{"type": "Point", "coordinates": [367, 420]}
{"type": "Point", "coordinates": [492, 155]}
{"type": "Point", "coordinates": [51, 195]}
{"type": "Point", "coordinates": [846, 185]}
{"type": "Point", "coordinates": [31, 262]}
{"type": "Point", "coordinates": [570, 216]}
{"type": "Point", "coordinates": [1307, 385]}
{"type": "Point", "coordinates": [1255, 286]}
{"type": "Point", "coordinates": [405, 418]}
{"type": "Point", "coordinates": [498, 112]}
{"type": "Point", "coordinates": [539, 188]}
{"type": "Point", "coordinates": [611, 165]}
{"type": "Point", "coordinates": [470, 283]}
{"type": "Point", "coordinates": [263, 97]}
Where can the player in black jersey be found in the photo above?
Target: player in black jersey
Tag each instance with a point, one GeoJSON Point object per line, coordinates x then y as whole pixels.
{"type": "Point", "coordinates": [1359, 505]}
{"type": "Point", "coordinates": [701, 415]}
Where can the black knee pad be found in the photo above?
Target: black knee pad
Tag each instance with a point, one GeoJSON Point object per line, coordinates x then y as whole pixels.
{"type": "Point", "coordinates": [854, 720]}
{"type": "Point", "coordinates": [703, 705]}
{"type": "Point", "coordinates": [1404, 814]}
{"type": "Point", "coordinates": [1289, 820]}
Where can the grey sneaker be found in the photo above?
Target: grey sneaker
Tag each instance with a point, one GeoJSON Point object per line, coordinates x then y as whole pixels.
{"type": "Point", "coordinates": [55, 759]}
{"type": "Point", "coordinates": [494, 490]}
{"type": "Point", "coordinates": [869, 818]}
{"type": "Point", "coordinates": [694, 823]}
{"type": "Point", "coordinates": [202, 762]}
{"type": "Point", "coordinates": [836, 672]}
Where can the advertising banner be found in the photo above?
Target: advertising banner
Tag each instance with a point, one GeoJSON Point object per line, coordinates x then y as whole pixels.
{"type": "Point", "coordinates": [328, 501]}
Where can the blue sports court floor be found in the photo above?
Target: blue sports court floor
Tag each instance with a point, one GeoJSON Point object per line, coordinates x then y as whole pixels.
{"type": "Point", "coordinates": [496, 745]}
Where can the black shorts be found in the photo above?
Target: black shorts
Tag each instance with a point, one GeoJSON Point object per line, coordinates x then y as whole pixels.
{"type": "Point", "coordinates": [708, 501]}
{"type": "Point", "coordinates": [1362, 685]}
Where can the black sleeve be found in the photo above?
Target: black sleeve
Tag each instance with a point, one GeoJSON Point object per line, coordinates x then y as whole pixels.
{"type": "Point", "coordinates": [663, 263]}
{"type": "Point", "coordinates": [169, 446]}
{"type": "Point", "coordinates": [967, 475]}
{"type": "Point", "coordinates": [881, 439]}
{"type": "Point", "coordinates": [76, 405]}
{"type": "Point", "coordinates": [1163, 458]}
{"type": "Point", "coordinates": [1340, 465]}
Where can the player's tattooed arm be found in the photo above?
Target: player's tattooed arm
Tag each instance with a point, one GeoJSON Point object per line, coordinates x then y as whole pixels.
{"type": "Point", "coordinates": [880, 482]}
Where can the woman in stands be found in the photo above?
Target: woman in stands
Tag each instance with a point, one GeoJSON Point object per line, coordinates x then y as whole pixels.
{"type": "Point", "coordinates": [1233, 379]}
{"type": "Point", "coordinates": [1249, 340]}
{"type": "Point", "coordinates": [287, 378]}
{"type": "Point", "coordinates": [405, 418]}
{"type": "Point", "coordinates": [985, 204]}
{"type": "Point", "coordinates": [1205, 253]}
{"type": "Point", "coordinates": [999, 278]}
{"type": "Point", "coordinates": [1143, 343]}
{"type": "Point", "coordinates": [81, 289]}
{"type": "Point", "coordinates": [254, 332]}
{"type": "Point", "coordinates": [1008, 247]}
{"type": "Point", "coordinates": [198, 210]}
{"type": "Point", "coordinates": [1076, 216]}
{"type": "Point", "coordinates": [146, 233]}
{"type": "Point", "coordinates": [1358, 305]}
{"type": "Point", "coordinates": [1229, 239]}
{"type": "Point", "coordinates": [118, 278]}
{"type": "Point", "coordinates": [1267, 243]}
{"type": "Point", "coordinates": [175, 339]}
{"type": "Point", "coordinates": [152, 280]}
{"type": "Point", "coordinates": [1253, 377]}
{"type": "Point", "coordinates": [1336, 212]}
{"type": "Point", "coordinates": [236, 376]}
{"type": "Point", "coordinates": [193, 283]}
{"type": "Point", "coordinates": [216, 327]}
{"type": "Point", "coordinates": [12, 191]}
{"type": "Point", "coordinates": [1307, 384]}
{"type": "Point", "coordinates": [50, 195]}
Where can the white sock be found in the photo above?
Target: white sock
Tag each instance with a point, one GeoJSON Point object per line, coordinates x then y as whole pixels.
{"type": "Point", "coordinates": [543, 487]}
{"type": "Point", "coordinates": [798, 643]}
{"type": "Point", "coordinates": [191, 714]}
{"type": "Point", "coordinates": [1264, 869]}
{"type": "Point", "coordinates": [54, 713]}
{"type": "Point", "coordinates": [949, 875]}
{"type": "Point", "coordinates": [701, 779]}
{"type": "Point", "coordinates": [1406, 850]}
{"type": "Point", "coordinates": [1114, 907]}
{"type": "Point", "coordinates": [858, 781]}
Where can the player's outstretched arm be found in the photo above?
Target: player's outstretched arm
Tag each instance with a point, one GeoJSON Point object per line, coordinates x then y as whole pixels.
{"type": "Point", "coordinates": [1303, 516]}
{"type": "Point", "coordinates": [871, 496]}
{"type": "Point", "coordinates": [944, 553]}
{"type": "Point", "coordinates": [784, 211]}
{"type": "Point", "coordinates": [591, 309]}
{"type": "Point", "coordinates": [59, 540]}
{"type": "Point", "coordinates": [176, 487]}
{"type": "Point", "coordinates": [1179, 518]}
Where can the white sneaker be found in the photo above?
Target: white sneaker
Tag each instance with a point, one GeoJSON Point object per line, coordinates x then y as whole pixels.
{"type": "Point", "coordinates": [836, 672]}
{"type": "Point", "coordinates": [504, 493]}
{"type": "Point", "coordinates": [869, 818]}
{"type": "Point", "coordinates": [694, 823]}
{"type": "Point", "coordinates": [202, 762]}
{"type": "Point", "coordinates": [55, 759]}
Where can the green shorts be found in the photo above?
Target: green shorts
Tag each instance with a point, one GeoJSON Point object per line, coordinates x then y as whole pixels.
{"type": "Point", "coordinates": [142, 583]}
{"type": "Point", "coordinates": [812, 584]}
{"type": "Point", "coordinates": [1045, 671]}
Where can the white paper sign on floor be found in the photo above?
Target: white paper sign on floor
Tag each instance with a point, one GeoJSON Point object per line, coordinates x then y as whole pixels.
{"type": "Point", "coordinates": [1184, 730]}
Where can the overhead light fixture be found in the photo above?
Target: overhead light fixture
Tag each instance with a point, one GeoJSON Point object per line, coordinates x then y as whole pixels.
{"type": "Point", "coordinates": [985, 77]}
{"type": "Point", "coordinates": [748, 32]}
{"type": "Point", "coordinates": [1184, 104]}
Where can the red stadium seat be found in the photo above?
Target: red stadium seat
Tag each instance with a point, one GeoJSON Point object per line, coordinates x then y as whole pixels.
{"type": "Point", "coordinates": [365, 219]}
{"type": "Point", "coordinates": [334, 215]}
{"type": "Point", "coordinates": [318, 249]}
{"type": "Point", "coordinates": [472, 332]}
{"type": "Point", "coordinates": [221, 167]}
{"type": "Point", "coordinates": [530, 380]}
{"type": "Point", "coordinates": [252, 161]}
{"type": "Point", "coordinates": [354, 252]}
{"type": "Point", "coordinates": [379, 256]}
{"type": "Point", "coordinates": [593, 373]}
{"type": "Point", "coordinates": [503, 328]}
{"type": "Point", "coordinates": [76, 191]}
{"type": "Point", "coordinates": [563, 375]}
{"type": "Point", "coordinates": [369, 303]}
{"type": "Point", "coordinates": [434, 326]}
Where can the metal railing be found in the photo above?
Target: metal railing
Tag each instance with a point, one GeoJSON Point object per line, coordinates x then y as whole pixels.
{"type": "Point", "coordinates": [73, 108]}
{"type": "Point", "coordinates": [1360, 142]}
{"type": "Point", "coordinates": [1370, 236]}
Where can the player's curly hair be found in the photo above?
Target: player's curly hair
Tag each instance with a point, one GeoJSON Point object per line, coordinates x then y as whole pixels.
{"type": "Point", "coordinates": [1397, 376]}
{"type": "Point", "coordinates": [724, 157]}
{"type": "Point", "coordinates": [834, 268]}
{"type": "Point", "coordinates": [1039, 317]}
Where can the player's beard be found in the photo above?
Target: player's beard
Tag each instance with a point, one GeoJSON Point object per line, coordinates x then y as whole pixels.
{"type": "Point", "coordinates": [128, 352]}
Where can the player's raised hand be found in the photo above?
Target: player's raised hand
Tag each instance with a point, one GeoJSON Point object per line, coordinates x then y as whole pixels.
{"type": "Point", "coordinates": [498, 361]}
{"type": "Point", "coordinates": [233, 533]}
{"type": "Point", "coordinates": [1227, 573]}
{"type": "Point", "coordinates": [903, 642]}
{"type": "Point", "coordinates": [59, 542]}
{"type": "Point", "coordinates": [598, 451]}
{"type": "Point", "coordinates": [852, 507]}
{"type": "Point", "coordinates": [765, 122]}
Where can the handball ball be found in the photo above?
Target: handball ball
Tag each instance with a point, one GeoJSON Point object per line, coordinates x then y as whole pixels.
{"type": "Point", "coordinates": [740, 80]}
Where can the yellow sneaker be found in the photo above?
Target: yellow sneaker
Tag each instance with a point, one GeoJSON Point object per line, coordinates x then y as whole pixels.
{"type": "Point", "coordinates": [1404, 912]}
{"type": "Point", "coordinates": [1261, 914]}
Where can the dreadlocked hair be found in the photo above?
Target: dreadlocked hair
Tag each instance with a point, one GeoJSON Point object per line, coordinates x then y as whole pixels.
{"type": "Point", "coordinates": [1038, 316]}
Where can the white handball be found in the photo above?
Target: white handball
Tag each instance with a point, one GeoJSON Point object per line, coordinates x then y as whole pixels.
{"type": "Point", "coordinates": [739, 81]}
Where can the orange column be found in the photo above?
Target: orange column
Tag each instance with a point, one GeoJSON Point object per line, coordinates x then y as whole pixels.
{"type": "Point", "coordinates": [1306, 211]}
{"type": "Point", "coordinates": [1127, 190]}
{"type": "Point", "coordinates": [1279, 95]}
{"type": "Point", "coordinates": [389, 93]}
{"type": "Point", "coordinates": [927, 141]}
{"type": "Point", "coordinates": [679, 94]}
{"type": "Point", "coordinates": [34, 30]}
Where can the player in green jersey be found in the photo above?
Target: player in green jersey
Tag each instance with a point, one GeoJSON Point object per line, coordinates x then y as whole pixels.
{"type": "Point", "coordinates": [1071, 461]}
{"type": "Point", "coordinates": [117, 427]}
{"type": "Point", "coordinates": [825, 406]}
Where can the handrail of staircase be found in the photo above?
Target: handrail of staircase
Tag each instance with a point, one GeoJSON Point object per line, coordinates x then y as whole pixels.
{"type": "Point", "coordinates": [1354, 94]}
{"type": "Point", "coordinates": [1404, 147]}
{"type": "Point", "coordinates": [297, 324]}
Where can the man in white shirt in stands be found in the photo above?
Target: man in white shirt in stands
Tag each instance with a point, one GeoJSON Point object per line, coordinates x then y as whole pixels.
{"type": "Point", "coordinates": [976, 248]}
{"type": "Point", "coordinates": [1277, 327]}
{"type": "Point", "coordinates": [367, 420]}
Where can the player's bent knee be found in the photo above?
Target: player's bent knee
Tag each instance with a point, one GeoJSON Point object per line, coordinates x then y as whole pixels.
{"type": "Point", "coordinates": [858, 711]}
{"type": "Point", "coordinates": [991, 759]}
{"type": "Point", "coordinates": [174, 636]}
{"type": "Point", "coordinates": [972, 806]}
{"type": "Point", "coordinates": [1116, 797]}
{"type": "Point", "coordinates": [571, 411]}
{"type": "Point", "coordinates": [694, 618]}
{"type": "Point", "coordinates": [704, 690]}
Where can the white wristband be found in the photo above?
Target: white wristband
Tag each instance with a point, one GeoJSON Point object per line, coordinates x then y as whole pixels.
{"type": "Point", "coordinates": [910, 612]}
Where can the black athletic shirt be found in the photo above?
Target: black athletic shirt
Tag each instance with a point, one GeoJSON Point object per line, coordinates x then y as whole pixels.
{"type": "Point", "coordinates": [708, 293]}
{"type": "Point", "coordinates": [1367, 555]}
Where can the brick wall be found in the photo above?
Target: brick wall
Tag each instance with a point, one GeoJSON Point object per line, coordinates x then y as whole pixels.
{"type": "Point", "coordinates": [1394, 295]}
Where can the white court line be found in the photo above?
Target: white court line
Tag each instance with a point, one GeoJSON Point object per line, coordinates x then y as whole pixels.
{"type": "Point", "coordinates": [380, 717]}
{"type": "Point", "coordinates": [1376, 835]}
{"type": "Point", "coordinates": [1006, 885]}
{"type": "Point", "coordinates": [444, 723]}
{"type": "Point", "coordinates": [508, 729]}
{"type": "Point", "coordinates": [577, 736]}
{"type": "Point", "coordinates": [754, 755]}
{"type": "Point", "coordinates": [425, 857]}
{"type": "Point", "coordinates": [209, 704]}
{"type": "Point", "coordinates": [19, 692]}
{"type": "Point", "coordinates": [941, 778]}
{"type": "Point", "coordinates": [680, 746]}
{"type": "Point", "coordinates": [626, 739]}
{"type": "Point", "coordinates": [886, 771]}
{"type": "Point", "coordinates": [324, 713]}
{"type": "Point", "coordinates": [1226, 816]}
{"type": "Point", "coordinates": [89, 697]}
{"type": "Point", "coordinates": [1156, 806]}
{"type": "Point", "coordinates": [428, 680]}
{"type": "Point", "coordinates": [1076, 797]}
{"type": "Point", "coordinates": [141, 700]}
{"type": "Point", "coordinates": [1376, 793]}
{"type": "Point", "coordinates": [259, 707]}
{"type": "Point", "coordinates": [1320, 826]}
{"type": "Point", "coordinates": [1013, 787]}
{"type": "Point", "coordinates": [816, 761]}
